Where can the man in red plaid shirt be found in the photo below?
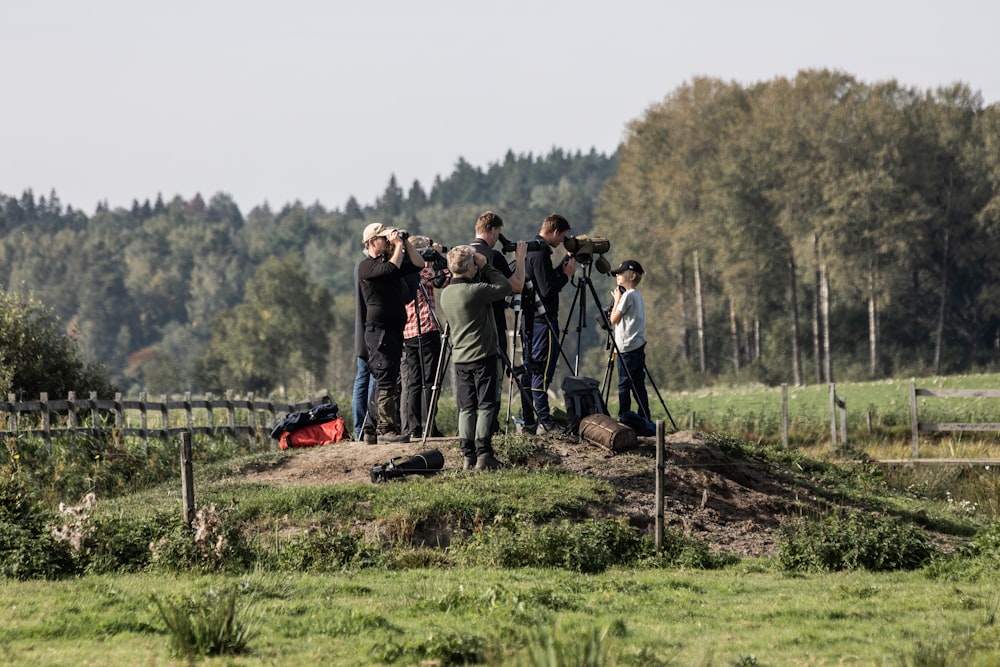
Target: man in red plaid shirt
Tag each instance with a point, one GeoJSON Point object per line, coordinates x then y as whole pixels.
{"type": "Point", "coordinates": [422, 345]}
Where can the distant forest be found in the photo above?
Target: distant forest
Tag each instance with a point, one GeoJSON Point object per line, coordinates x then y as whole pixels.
{"type": "Point", "coordinates": [797, 230]}
{"type": "Point", "coordinates": [194, 295]}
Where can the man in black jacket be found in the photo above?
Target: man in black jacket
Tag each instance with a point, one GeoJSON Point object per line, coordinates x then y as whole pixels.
{"type": "Point", "coordinates": [385, 317]}
{"type": "Point", "coordinates": [538, 331]}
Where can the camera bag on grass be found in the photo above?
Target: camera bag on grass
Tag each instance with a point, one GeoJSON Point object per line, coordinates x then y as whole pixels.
{"type": "Point", "coordinates": [424, 463]}
{"type": "Point", "coordinates": [607, 432]}
{"type": "Point", "coordinates": [583, 397]}
{"type": "Point", "coordinates": [319, 426]}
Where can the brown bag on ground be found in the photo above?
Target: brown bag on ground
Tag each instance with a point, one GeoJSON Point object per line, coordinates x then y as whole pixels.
{"type": "Point", "coordinates": [607, 432]}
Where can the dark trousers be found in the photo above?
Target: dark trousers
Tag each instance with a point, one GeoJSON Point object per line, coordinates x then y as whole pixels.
{"type": "Point", "coordinates": [541, 351]}
{"type": "Point", "coordinates": [632, 364]}
{"type": "Point", "coordinates": [385, 352]}
{"type": "Point", "coordinates": [476, 398]}
{"type": "Point", "coordinates": [420, 357]}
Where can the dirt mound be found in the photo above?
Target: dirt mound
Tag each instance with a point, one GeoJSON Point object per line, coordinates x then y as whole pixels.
{"type": "Point", "coordinates": [733, 505]}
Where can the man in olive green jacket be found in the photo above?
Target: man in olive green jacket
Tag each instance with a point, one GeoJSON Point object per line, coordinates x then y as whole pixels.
{"type": "Point", "coordinates": [468, 306]}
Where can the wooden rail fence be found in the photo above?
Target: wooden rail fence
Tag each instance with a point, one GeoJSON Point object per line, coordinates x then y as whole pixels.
{"type": "Point", "coordinates": [143, 418]}
{"type": "Point", "coordinates": [917, 426]}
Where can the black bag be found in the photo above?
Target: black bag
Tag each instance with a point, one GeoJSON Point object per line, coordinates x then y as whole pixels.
{"type": "Point", "coordinates": [424, 463]}
{"type": "Point", "coordinates": [322, 413]}
{"type": "Point", "coordinates": [583, 397]}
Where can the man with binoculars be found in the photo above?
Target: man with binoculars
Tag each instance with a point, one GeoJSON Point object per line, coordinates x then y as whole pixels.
{"type": "Point", "coordinates": [539, 326]}
{"type": "Point", "coordinates": [385, 317]}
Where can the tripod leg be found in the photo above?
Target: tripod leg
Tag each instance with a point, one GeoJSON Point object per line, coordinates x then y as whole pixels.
{"type": "Point", "coordinates": [439, 373]}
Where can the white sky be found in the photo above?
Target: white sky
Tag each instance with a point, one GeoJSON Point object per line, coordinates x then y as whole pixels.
{"type": "Point", "coordinates": [318, 100]}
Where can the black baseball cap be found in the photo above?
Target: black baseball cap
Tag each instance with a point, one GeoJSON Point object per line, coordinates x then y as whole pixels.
{"type": "Point", "coordinates": [628, 265]}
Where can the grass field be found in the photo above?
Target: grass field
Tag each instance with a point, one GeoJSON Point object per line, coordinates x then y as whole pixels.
{"type": "Point", "coordinates": [745, 615]}
{"type": "Point", "coordinates": [405, 612]}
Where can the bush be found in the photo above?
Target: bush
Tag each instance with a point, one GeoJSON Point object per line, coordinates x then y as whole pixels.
{"type": "Point", "coordinates": [852, 541]}
{"type": "Point", "coordinates": [28, 549]}
{"type": "Point", "coordinates": [319, 550]}
{"type": "Point", "coordinates": [591, 546]}
{"type": "Point", "coordinates": [212, 543]}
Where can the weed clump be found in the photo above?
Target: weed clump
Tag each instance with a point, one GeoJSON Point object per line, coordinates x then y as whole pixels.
{"type": "Point", "coordinates": [852, 541]}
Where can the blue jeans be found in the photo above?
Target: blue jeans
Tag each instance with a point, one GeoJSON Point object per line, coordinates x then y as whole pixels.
{"type": "Point", "coordinates": [541, 347]}
{"type": "Point", "coordinates": [632, 364]}
{"type": "Point", "coordinates": [363, 388]}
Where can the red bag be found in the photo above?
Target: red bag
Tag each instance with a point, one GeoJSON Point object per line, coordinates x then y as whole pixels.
{"type": "Point", "coordinates": [314, 435]}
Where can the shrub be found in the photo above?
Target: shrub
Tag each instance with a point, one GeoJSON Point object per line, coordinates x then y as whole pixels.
{"type": "Point", "coordinates": [850, 541]}
{"type": "Point", "coordinates": [591, 546]}
{"type": "Point", "coordinates": [320, 550]}
{"type": "Point", "coordinates": [28, 549]}
{"type": "Point", "coordinates": [212, 543]}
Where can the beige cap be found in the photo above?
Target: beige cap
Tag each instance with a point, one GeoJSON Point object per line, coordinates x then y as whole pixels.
{"type": "Point", "coordinates": [375, 229]}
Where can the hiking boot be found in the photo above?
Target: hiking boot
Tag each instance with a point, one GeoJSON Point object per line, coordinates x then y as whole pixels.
{"type": "Point", "coordinates": [371, 439]}
{"type": "Point", "coordinates": [468, 463]}
{"type": "Point", "coordinates": [395, 437]}
{"type": "Point", "coordinates": [530, 429]}
{"type": "Point", "coordinates": [488, 462]}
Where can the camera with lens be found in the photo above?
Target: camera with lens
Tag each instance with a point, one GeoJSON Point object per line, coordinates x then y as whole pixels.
{"type": "Point", "coordinates": [534, 245]}
{"type": "Point", "coordinates": [583, 248]}
{"type": "Point", "coordinates": [438, 262]}
{"type": "Point", "coordinates": [436, 259]}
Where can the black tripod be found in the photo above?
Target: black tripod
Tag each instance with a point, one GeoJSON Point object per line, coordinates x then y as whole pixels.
{"type": "Point", "coordinates": [583, 284]}
{"type": "Point", "coordinates": [426, 422]}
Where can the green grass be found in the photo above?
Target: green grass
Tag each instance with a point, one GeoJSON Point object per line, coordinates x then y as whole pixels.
{"type": "Point", "coordinates": [647, 617]}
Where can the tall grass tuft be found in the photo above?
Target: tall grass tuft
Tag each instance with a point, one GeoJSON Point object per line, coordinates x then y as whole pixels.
{"type": "Point", "coordinates": [580, 647]}
{"type": "Point", "coordinates": [214, 625]}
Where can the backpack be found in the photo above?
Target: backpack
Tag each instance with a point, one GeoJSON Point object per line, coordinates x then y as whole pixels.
{"type": "Point", "coordinates": [583, 397]}
{"type": "Point", "coordinates": [322, 413]}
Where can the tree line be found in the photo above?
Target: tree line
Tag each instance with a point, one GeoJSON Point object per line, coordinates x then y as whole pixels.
{"type": "Point", "coordinates": [816, 227]}
{"type": "Point", "coordinates": [193, 295]}
{"type": "Point", "coordinates": [795, 230]}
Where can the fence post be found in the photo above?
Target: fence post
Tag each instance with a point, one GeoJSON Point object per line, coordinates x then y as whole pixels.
{"type": "Point", "coordinates": [914, 426]}
{"type": "Point", "coordinates": [833, 415]}
{"type": "Point", "coordinates": [164, 416]}
{"type": "Point", "coordinates": [119, 414]}
{"type": "Point", "coordinates": [842, 404]}
{"type": "Point", "coordinates": [189, 417]}
{"type": "Point", "coordinates": [230, 412]}
{"type": "Point", "coordinates": [46, 421]}
{"type": "Point", "coordinates": [144, 423]}
{"type": "Point", "coordinates": [187, 479]}
{"type": "Point", "coordinates": [660, 457]}
{"type": "Point", "coordinates": [252, 418]}
{"type": "Point", "coordinates": [95, 417]}
{"type": "Point", "coordinates": [784, 415]}
{"type": "Point", "coordinates": [211, 412]}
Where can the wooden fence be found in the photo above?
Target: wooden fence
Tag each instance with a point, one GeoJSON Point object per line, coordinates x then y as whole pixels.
{"type": "Point", "coordinates": [102, 418]}
{"type": "Point", "coordinates": [916, 426]}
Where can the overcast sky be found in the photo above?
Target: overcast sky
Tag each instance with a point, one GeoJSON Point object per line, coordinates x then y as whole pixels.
{"type": "Point", "coordinates": [318, 100]}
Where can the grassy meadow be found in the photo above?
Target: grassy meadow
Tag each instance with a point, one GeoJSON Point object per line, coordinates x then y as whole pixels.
{"type": "Point", "coordinates": [516, 589]}
{"type": "Point", "coordinates": [748, 614]}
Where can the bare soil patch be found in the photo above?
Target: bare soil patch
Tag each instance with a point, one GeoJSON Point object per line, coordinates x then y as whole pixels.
{"type": "Point", "coordinates": [733, 505]}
